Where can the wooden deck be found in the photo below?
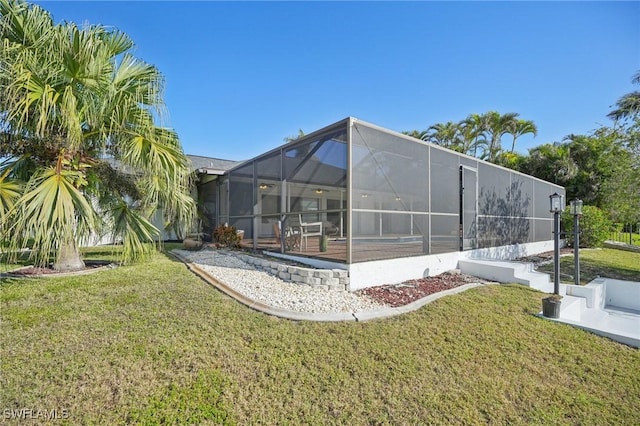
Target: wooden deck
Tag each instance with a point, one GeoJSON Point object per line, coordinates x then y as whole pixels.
{"type": "Point", "coordinates": [364, 249]}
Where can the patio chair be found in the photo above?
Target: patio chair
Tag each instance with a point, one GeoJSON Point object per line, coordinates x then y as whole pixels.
{"type": "Point", "coordinates": [291, 236]}
{"type": "Point", "coordinates": [309, 229]}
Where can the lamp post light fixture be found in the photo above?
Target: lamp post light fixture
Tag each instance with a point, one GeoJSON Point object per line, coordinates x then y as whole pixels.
{"type": "Point", "coordinates": [556, 206]}
{"type": "Point", "coordinates": [576, 211]}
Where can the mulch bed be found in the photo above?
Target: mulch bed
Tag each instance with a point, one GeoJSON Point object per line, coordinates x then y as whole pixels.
{"type": "Point", "coordinates": [542, 258]}
{"type": "Point", "coordinates": [32, 271]}
{"type": "Point", "coordinates": [395, 295]}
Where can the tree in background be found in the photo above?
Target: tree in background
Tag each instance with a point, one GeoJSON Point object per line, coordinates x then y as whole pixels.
{"type": "Point", "coordinates": [84, 153]}
{"type": "Point", "coordinates": [479, 135]}
{"type": "Point", "coordinates": [601, 168]}
{"type": "Point", "coordinates": [474, 128]}
{"type": "Point", "coordinates": [498, 125]}
{"type": "Point", "coordinates": [521, 127]}
{"type": "Point", "coordinates": [550, 162]}
{"type": "Point", "coordinates": [446, 135]}
{"type": "Point", "coordinates": [594, 227]}
{"type": "Point", "coordinates": [628, 106]}
{"type": "Point", "coordinates": [289, 139]}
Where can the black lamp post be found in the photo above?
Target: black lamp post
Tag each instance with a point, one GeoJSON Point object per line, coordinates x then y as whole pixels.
{"type": "Point", "coordinates": [556, 206]}
{"type": "Point", "coordinates": [576, 211]}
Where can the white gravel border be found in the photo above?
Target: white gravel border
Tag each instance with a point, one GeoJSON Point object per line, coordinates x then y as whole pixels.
{"type": "Point", "coordinates": [264, 288]}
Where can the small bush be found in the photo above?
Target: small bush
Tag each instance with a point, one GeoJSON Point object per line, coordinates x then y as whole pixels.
{"type": "Point", "coordinates": [226, 236]}
{"type": "Point", "coordinates": [595, 227]}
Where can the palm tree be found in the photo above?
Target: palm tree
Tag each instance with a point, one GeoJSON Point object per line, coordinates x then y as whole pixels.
{"type": "Point", "coordinates": [497, 126]}
{"type": "Point", "coordinates": [551, 162]}
{"type": "Point", "coordinates": [474, 128]}
{"type": "Point", "coordinates": [77, 118]}
{"type": "Point", "coordinates": [628, 105]}
{"type": "Point", "coordinates": [418, 134]}
{"type": "Point", "coordinates": [522, 127]}
{"type": "Point", "coordinates": [289, 139]}
{"type": "Point", "coordinates": [9, 193]}
{"type": "Point", "coordinates": [446, 135]}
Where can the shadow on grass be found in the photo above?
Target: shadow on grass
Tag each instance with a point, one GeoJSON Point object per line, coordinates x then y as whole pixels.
{"type": "Point", "coordinates": [105, 253]}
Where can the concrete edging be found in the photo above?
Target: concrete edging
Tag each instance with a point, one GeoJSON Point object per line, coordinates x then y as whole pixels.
{"type": "Point", "coordinates": [324, 316]}
{"type": "Point", "coordinates": [617, 245]}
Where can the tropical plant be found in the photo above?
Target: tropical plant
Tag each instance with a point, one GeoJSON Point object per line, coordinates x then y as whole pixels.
{"type": "Point", "coordinates": [595, 227]}
{"type": "Point", "coordinates": [289, 139]}
{"type": "Point", "coordinates": [497, 126]}
{"type": "Point", "coordinates": [226, 236]}
{"type": "Point", "coordinates": [521, 127]}
{"type": "Point", "coordinates": [473, 129]}
{"type": "Point", "coordinates": [446, 135]}
{"type": "Point", "coordinates": [78, 121]}
{"type": "Point", "coordinates": [551, 162]}
{"type": "Point", "coordinates": [9, 193]}
{"type": "Point", "coordinates": [511, 160]}
{"type": "Point", "coordinates": [479, 135]}
{"type": "Point", "coordinates": [418, 134]}
{"type": "Point", "coordinates": [628, 106]}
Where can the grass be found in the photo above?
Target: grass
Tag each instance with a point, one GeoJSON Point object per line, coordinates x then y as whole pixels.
{"type": "Point", "coordinates": [152, 344]}
{"type": "Point", "coordinates": [594, 263]}
{"type": "Point", "coordinates": [623, 237]}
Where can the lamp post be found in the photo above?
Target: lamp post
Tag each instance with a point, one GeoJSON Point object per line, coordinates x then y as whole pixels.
{"type": "Point", "coordinates": [576, 211]}
{"type": "Point", "coordinates": [556, 206]}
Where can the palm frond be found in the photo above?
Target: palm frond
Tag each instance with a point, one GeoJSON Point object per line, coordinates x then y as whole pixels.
{"type": "Point", "coordinates": [137, 232]}
{"type": "Point", "coordinates": [10, 191]}
{"type": "Point", "coordinates": [51, 210]}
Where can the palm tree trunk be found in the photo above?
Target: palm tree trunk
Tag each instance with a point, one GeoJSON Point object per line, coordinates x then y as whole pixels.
{"type": "Point", "coordinates": [69, 258]}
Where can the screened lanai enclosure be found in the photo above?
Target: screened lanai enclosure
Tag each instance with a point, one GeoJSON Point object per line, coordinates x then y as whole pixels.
{"type": "Point", "coordinates": [354, 192]}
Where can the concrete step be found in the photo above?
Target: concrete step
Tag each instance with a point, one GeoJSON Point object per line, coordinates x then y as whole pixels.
{"type": "Point", "coordinates": [571, 307]}
{"type": "Point", "coordinates": [537, 280]}
{"type": "Point", "coordinates": [507, 272]}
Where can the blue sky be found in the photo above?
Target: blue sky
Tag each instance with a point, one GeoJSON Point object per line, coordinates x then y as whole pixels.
{"type": "Point", "coordinates": [242, 76]}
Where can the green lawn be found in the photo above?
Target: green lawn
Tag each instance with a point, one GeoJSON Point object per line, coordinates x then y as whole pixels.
{"type": "Point", "coordinates": [610, 263]}
{"type": "Point", "coordinates": [153, 344]}
{"type": "Point", "coordinates": [623, 237]}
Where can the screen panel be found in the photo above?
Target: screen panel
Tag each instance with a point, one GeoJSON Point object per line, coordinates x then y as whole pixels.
{"type": "Point", "coordinates": [494, 186]}
{"type": "Point", "coordinates": [379, 235]}
{"type": "Point", "coordinates": [445, 182]}
{"type": "Point", "coordinates": [208, 207]}
{"type": "Point", "coordinates": [241, 191]}
{"type": "Point", "coordinates": [543, 230]}
{"type": "Point", "coordinates": [444, 233]}
{"type": "Point", "coordinates": [520, 196]}
{"type": "Point", "coordinates": [391, 172]}
{"type": "Point", "coordinates": [469, 208]}
{"type": "Point", "coordinates": [320, 162]}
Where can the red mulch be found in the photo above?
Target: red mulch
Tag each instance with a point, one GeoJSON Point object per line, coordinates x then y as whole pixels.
{"type": "Point", "coordinates": [395, 295]}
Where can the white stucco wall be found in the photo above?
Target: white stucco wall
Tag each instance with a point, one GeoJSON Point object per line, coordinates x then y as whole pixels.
{"type": "Point", "coordinates": [393, 271]}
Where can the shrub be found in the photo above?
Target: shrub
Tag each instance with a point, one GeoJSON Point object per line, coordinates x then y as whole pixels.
{"type": "Point", "coordinates": [594, 227]}
{"type": "Point", "coordinates": [226, 236]}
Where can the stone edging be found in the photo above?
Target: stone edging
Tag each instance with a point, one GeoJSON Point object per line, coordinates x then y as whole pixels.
{"type": "Point", "coordinates": [326, 279]}
{"type": "Point", "coordinates": [320, 317]}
